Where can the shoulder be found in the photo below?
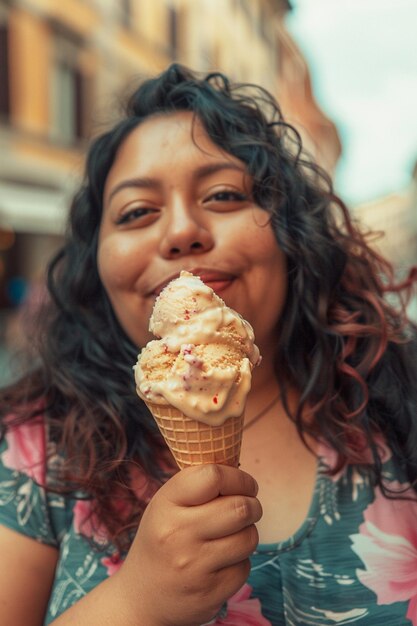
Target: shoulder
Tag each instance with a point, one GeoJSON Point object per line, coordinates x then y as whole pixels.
{"type": "Point", "coordinates": [27, 571]}
{"type": "Point", "coordinates": [391, 492]}
{"type": "Point", "coordinates": [27, 506]}
{"type": "Point", "coordinates": [24, 448]}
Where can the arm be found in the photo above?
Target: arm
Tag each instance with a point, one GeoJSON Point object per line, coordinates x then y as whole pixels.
{"type": "Point", "coordinates": [26, 577]}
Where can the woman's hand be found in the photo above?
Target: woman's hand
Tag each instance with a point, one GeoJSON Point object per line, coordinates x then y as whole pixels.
{"type": "Point", "coordinates": [192, 549]}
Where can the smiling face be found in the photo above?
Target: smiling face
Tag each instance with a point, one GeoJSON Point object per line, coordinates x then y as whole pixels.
{"type": "Point", "coordinates": [174, 200]}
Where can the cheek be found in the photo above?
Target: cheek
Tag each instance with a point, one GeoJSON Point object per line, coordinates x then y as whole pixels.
{"type": "Point", "coordinates": [269, 279]}
{"type": "Point", "coordinates": [117, 262]}
{"type": "Point", "coordinates": [119, 266]}
{"type": "Point", "coordinates": [262, 247]}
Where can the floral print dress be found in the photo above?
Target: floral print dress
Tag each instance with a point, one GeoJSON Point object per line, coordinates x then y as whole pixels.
{"type": "Point", "coordinates": [353, 560]}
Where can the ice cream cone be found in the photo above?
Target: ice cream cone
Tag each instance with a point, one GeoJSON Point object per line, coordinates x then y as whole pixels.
{"type": "Point", "coordinates": [195, 443]}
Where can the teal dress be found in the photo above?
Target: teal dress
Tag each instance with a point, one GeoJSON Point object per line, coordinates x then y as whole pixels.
{"type": "Point", "coordinates": [353, 561]}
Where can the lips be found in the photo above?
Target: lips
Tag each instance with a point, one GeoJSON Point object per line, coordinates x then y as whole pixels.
{"type": "Point", "coordinates": [217, 282]}
{"type": "Point", "coordinates": [216, 279]}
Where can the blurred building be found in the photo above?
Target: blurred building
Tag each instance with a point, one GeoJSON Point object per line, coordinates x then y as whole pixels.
{"type": "Point", "coordinates": [63, 64]}
{"type": "Point", "coordinates": [394, 217]}
{"type": "Point", "coordinates": [296, 98]}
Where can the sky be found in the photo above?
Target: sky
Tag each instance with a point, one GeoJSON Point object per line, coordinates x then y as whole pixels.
{"type": "Point", "coordinates": [362, 56]}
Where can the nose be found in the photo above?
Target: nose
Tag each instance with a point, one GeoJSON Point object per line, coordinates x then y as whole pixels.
{"type": "Point", "coordinates": [185, 233]}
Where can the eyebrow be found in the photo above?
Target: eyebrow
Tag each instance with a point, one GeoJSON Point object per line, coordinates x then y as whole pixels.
{"type": "Point", "coordinates": [152, 183]}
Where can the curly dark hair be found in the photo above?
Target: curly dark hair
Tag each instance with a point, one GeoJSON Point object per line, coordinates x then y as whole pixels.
{"type": "Point", "coordinates": [348, 348]}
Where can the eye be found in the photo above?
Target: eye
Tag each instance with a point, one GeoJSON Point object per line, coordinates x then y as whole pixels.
{"type": "Point", "coordinates": [226, 195]}
{"type": "Point", "coordinates": [141, 214]}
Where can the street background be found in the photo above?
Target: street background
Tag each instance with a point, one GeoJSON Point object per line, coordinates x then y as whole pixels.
{"type": "Point", "coordinates": [343, 71]}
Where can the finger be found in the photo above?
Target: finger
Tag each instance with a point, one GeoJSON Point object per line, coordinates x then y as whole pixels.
{"type": "Point", "coordinates": [200, 484]}
{"type": "Point", "coordinates": [226, 515]}
{"type": "Point", "coordinates": [231, 550]}
{"type": "Point", "coordinates": [234, 577]}
{"type": "Point", "coordinates": [224, 584]}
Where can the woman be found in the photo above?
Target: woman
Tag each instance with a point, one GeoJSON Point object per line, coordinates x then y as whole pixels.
{"type": "Point", "coordinates": [97, 526]}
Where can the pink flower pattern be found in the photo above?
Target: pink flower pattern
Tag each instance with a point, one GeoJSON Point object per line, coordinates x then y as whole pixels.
{"type": "Point", "coordinates": [387, 545]}
{"type": "Point", "coordinates": [26, 451]}
{"type": "Point", "coordinates": [112, 564]}
{"type": "Point", "coordinates": [87, 524]}
{"type": "Point", "coordinates": [243, 610]}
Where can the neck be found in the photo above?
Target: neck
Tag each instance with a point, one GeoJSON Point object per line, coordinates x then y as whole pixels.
{"type": "Point", "coordinates": [264, 388]}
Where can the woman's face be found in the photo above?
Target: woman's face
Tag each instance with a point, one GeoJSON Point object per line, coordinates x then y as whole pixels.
{"type": "Point", "coordinates": [173, 200]}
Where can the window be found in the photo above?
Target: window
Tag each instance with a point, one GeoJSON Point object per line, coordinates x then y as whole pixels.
{"type": "Point", "coordinates": [4, 70]}
{"type": "Point", "coordinates": [68, 94]}
{"type": "Point", "coordinates": [262, 24]}
{"type": "Point", "coordinates": [173, 31]}
{"type": "Point", "coordinates": [246, 8]}
{"type": "Point", "coordinates": [126, 13]}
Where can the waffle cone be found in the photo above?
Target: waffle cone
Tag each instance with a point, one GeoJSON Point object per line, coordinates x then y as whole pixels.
{"type": "Point", "coordinates": [194, 443]}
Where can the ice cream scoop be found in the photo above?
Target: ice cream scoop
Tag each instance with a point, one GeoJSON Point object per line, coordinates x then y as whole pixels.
{"type": "Point", "coordinates": [200, 365]}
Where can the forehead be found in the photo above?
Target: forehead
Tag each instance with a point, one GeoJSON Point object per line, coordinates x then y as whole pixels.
{"type": "Point", "coordinates": [169, 131]}
{"type": "Point", "coordinates": [165, 139]}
